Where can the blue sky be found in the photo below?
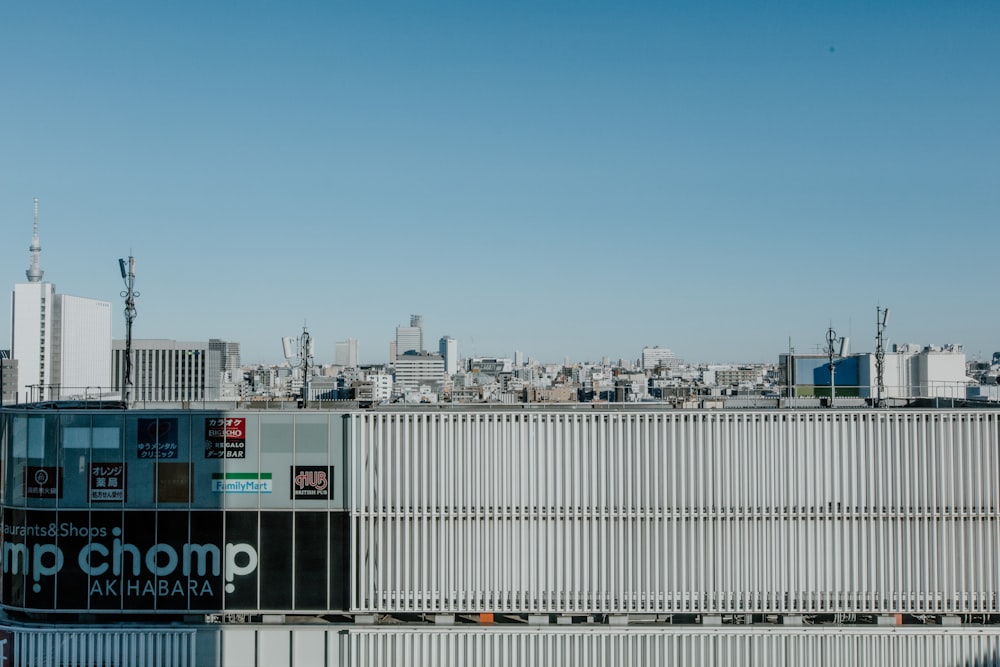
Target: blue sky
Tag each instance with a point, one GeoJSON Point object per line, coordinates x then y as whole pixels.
{"type": "Point", "coordinates": [568, 179]}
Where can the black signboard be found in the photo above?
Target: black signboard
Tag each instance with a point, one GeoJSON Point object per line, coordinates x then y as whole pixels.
{"type": "Point", "coordinates": [174, 560]}
{"type": "Point", "coordinates": [43, 482]}
{"type": "Point", "coordinates": [312, 482]}
{"type": "Point", "coordinates": [157, 438]}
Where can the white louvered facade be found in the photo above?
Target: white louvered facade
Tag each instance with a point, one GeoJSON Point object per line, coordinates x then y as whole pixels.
{"type": "Point", "coordinates": [787, 512]}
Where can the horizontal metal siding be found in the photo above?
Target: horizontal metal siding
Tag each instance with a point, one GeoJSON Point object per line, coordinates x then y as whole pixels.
{"type": "Point", "coordinates": [710, 512]}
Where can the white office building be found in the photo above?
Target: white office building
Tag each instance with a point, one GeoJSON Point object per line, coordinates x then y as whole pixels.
{"type": "Point", "coordinates": [653, 357]}
{"type": "Point", "coordinates": [414, 369]}
{"type": "Point", "coordinates": [411, 338]}
{"type": "Point", "coordinates": [169, 371]}
{"type": "Point", "coordinates": [83, 343]}
{"type": "Point", "coordinates": [346, 353]}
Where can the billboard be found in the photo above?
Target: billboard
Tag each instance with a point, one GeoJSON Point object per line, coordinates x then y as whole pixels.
{"type": "Point", "coordinates": [226, 438]}
{"type": "Point", "coordinates": [175, 560]}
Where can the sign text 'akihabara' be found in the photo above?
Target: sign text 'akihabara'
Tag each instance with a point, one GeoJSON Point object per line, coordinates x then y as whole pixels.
{"type": "Point", "coordinates": [226, 438]}
{"type": "Point", "coordinates": [101, 558]}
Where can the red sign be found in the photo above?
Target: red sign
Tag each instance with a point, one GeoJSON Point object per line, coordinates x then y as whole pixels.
{"type": "Point", "coordinates": [226, 438]}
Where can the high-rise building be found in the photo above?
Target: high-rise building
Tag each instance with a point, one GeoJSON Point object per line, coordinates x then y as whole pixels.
{"type": "Point", "coordinates": [229, 354]}
{"type": "Point", "coordinates": [82, 340]}
{"type": "Point", "coordinates": [448, 348]}
{"type": "Point", "coordinates": [346, 353]}
{"type": "Point", "coordinates": [62, 343]}
{"type": "Point", "coordinates": [411, 338]}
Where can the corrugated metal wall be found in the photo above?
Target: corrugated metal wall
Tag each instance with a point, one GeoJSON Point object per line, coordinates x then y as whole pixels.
{"type": "Point", "coordinates": [370, 646]}
{"type": "Point", "coordinates": [676, 512]}
{"type": "Point", "coordinates": [72, 647]}
{"type": "Point", "coordinates": [678, 648]}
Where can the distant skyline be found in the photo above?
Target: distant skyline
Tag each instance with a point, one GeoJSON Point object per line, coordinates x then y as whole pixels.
{"type": "Point", "coordinates": [565, 179]}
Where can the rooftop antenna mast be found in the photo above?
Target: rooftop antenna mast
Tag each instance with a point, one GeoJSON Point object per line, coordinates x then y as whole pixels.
{"type": "Point", "coordinates": [306, 360]}
{"type": "Point", "coordinates": [831, 350]}
{"type": "Point", "coordinates": [129, 294]}
{"type": "Point", "coordinates": [881, 321]}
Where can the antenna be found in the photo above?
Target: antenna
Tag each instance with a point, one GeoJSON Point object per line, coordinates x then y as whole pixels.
{"type": "Point", "coordinates": [831, 350]}
{"type": "Point", "coordinates": [129, 294]}
{"type": "Point", "coordinates": [306, 355]}
{"type": "Point", "coordinates": [881, 320]}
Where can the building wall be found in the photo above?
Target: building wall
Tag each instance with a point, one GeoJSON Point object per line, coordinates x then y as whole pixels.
{"type": "Point", "coordinates": [639, 511]}
{"type": "Point", "coordinates": [32, 313]}
{"type": "Point", "coordinates": [413, 370]}
{"type": "Point", "coordinates": [167, 370]}
{"type": "Point", "coordinates": [84, 346]}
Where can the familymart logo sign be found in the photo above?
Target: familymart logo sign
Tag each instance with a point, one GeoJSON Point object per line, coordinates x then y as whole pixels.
{"type": "Point", "coordinates": [241, 482]}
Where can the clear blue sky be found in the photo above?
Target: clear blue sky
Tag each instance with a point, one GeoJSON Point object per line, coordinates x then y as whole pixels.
{"type": "Point", "coordinates": [568, 179]}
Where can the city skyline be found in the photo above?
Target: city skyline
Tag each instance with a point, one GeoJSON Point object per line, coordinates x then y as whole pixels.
{"type": "Point", "coordinates": [566, 180]}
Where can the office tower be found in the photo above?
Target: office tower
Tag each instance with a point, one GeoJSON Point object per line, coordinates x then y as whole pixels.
{"type": "Point", "coordinates": [346, 353]}
{"type": "Point", "coordinates": [411, 338]}
{"type": "Point", "coordinates": [448, 347]}
{"type": "Point", "coordinates": [82, 363]}
{"type": "Point", "coordinates": [167, 370]}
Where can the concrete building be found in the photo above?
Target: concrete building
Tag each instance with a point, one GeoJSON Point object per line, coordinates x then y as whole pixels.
{"type": "Point", "coordinates": [8, 378]}
{"type": "Point", "coordinates": [411, 338]}
{"type": "Point", "coordinates": [654, 357]}
{"type": "Point", "coordinates": [448, 348]}
{"type": "Point", "coordinates": [416, 368]}
{"type": "Point", "coordinates": [169, 371]}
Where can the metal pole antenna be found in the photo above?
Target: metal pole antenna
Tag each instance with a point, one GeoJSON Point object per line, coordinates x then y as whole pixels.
{"type": "Point", "coordinates": [831, 339]}
{"type": "Point", "coordinates": [881, 320]}
{"type": "Point", "coordinates": [129, 294]}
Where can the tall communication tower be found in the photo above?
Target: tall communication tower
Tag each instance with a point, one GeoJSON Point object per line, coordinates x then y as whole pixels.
{"type": "Point", "coordinates": [129, 294]}
{"type": "Point", "coordinates": [881, 321]}
{"type": "Point", "coordinates": [302, 351]}
{"type": "Point", "coordinates": [831, 350]}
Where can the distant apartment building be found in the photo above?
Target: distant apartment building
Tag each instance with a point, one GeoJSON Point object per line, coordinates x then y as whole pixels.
{"type": "Point", "coordinates": [417, 368]}
{"type": "Point", "coordinates": [729, 376]}
{"type": "Point", "coordinates": [169, 371]}
{"type": "Point", "coordinates": [374, 388]}
{"type": "Point", "coordinates": [658, 357]}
